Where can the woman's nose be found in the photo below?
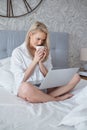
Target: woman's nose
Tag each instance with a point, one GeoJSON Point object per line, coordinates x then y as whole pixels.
{"type": "Point", "coordinates": [39, 42]}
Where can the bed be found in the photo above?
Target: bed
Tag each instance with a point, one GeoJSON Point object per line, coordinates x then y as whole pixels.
{"type": "Point", "coordinates": [17, 114]}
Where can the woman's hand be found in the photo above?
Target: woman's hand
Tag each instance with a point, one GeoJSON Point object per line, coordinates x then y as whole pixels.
{"type": "Point", "coordinates": [39, 54]}
{"type": "Point", "coordinates": [45, 53]}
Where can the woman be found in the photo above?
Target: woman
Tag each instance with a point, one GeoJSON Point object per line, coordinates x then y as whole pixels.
{"type": "Point", "coordinates": [30, 64]}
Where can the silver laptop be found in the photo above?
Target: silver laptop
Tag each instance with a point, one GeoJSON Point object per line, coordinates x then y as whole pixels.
{"type": "Point", "coordinates": [58, 77]}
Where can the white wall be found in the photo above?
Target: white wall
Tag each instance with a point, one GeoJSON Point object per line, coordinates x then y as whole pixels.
{"type": "Point", "coordinates": [59, 15]}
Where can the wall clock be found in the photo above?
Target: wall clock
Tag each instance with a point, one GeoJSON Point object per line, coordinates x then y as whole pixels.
{"type": "Point", "coordinates": [18, 8]}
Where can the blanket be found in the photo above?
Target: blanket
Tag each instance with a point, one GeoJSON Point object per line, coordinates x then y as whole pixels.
{"type": "Point", "coordinates": [78, 116]}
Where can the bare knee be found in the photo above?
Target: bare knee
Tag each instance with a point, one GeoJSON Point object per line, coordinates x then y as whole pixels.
{"type": "Point", "coordinates": [27, 92]}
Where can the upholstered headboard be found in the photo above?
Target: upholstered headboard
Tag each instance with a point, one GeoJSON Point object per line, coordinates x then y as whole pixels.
{"type": "Point", "coordinates": [58, 43]}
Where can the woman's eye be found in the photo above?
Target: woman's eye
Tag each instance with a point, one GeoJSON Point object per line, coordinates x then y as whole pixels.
{"type": "Point", "coordinates": [38, 39]}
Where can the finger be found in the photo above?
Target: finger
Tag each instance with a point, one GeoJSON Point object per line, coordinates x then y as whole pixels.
{"type": "Point", "coordinates": [45, 48]}
{"type": "Point", "coordinates": [39, 52]}
{"type": "Point", "coordinates": [45, 53]}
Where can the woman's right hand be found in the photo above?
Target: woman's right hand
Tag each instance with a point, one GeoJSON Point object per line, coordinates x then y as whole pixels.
{"type": "Point", "coordinates": [38, 55]}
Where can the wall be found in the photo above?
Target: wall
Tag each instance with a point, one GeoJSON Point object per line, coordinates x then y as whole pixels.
{"type": "Point", "coordinates": [59, 15]}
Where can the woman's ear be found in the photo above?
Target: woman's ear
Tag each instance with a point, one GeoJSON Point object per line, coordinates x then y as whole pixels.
{"type": "Point", "coordinates": [30, 34]}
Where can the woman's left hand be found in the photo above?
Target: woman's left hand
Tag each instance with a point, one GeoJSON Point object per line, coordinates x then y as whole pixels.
{"type": "Point", "coordinates": [45, 53]}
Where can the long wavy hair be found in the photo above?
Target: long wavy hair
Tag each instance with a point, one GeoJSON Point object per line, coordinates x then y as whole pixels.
{"type": "Point", "coordinates": [37, 26]}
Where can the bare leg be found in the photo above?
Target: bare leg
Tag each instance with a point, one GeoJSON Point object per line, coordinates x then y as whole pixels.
{"type": "Point", "coordinates": [64, 89]}
{"type": "Point", "coordinates": [65, 96]}
{"type": "Point", "coordinates": [32, 94]}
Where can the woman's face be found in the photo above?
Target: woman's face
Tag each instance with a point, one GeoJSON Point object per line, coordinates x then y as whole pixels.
{"type": "Point", "coordinates": [37, 39]}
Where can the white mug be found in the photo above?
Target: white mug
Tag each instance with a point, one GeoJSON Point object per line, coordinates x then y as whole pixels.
{"type": "Point", "coordinates": [38, 47]}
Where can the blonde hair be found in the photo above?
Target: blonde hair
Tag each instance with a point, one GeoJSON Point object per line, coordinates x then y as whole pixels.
{"type": "Point", "coordinates": [37, 26]}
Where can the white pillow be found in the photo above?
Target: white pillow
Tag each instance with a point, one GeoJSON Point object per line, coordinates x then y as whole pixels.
{"type": "Point", "coordinates": [5, 61]}
{"type": "Point", "coordinates": [6, 78]}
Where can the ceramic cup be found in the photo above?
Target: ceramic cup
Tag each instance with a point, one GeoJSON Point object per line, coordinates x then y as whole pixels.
{"type": "Point", "coordinates": [38, 47]}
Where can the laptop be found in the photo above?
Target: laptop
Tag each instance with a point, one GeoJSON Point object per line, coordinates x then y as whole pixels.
{"type": "Point", "coordinates": [58, 77]}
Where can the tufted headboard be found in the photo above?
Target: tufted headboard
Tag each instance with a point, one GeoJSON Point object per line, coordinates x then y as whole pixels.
{"type": "Point", "coordinates": [58, 44]}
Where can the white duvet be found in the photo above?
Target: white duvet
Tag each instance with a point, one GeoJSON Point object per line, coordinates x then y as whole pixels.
{"type": "Point", "coordinates": [17, 114]}
{"type": "Point", "coordinates": [78, 116]}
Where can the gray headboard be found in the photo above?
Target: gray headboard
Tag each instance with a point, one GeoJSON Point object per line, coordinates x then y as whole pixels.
{"type": "Point", "coordinates": [58, 43]}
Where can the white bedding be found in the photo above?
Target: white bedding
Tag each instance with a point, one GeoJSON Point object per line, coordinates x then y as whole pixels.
{"type": "Point", "coordinates": [17, 114]}
{"type": "Point", "coordinates": [78, 116]}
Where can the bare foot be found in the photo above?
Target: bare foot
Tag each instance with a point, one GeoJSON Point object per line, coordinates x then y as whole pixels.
{"type": "Point", "coordinates": [64, 97]}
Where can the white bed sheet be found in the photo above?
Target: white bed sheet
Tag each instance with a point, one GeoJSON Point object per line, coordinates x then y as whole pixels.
{"type": "Point", "coordinates": [17, 114]}
{"type": "Point", "coordinates": [78, 116]}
